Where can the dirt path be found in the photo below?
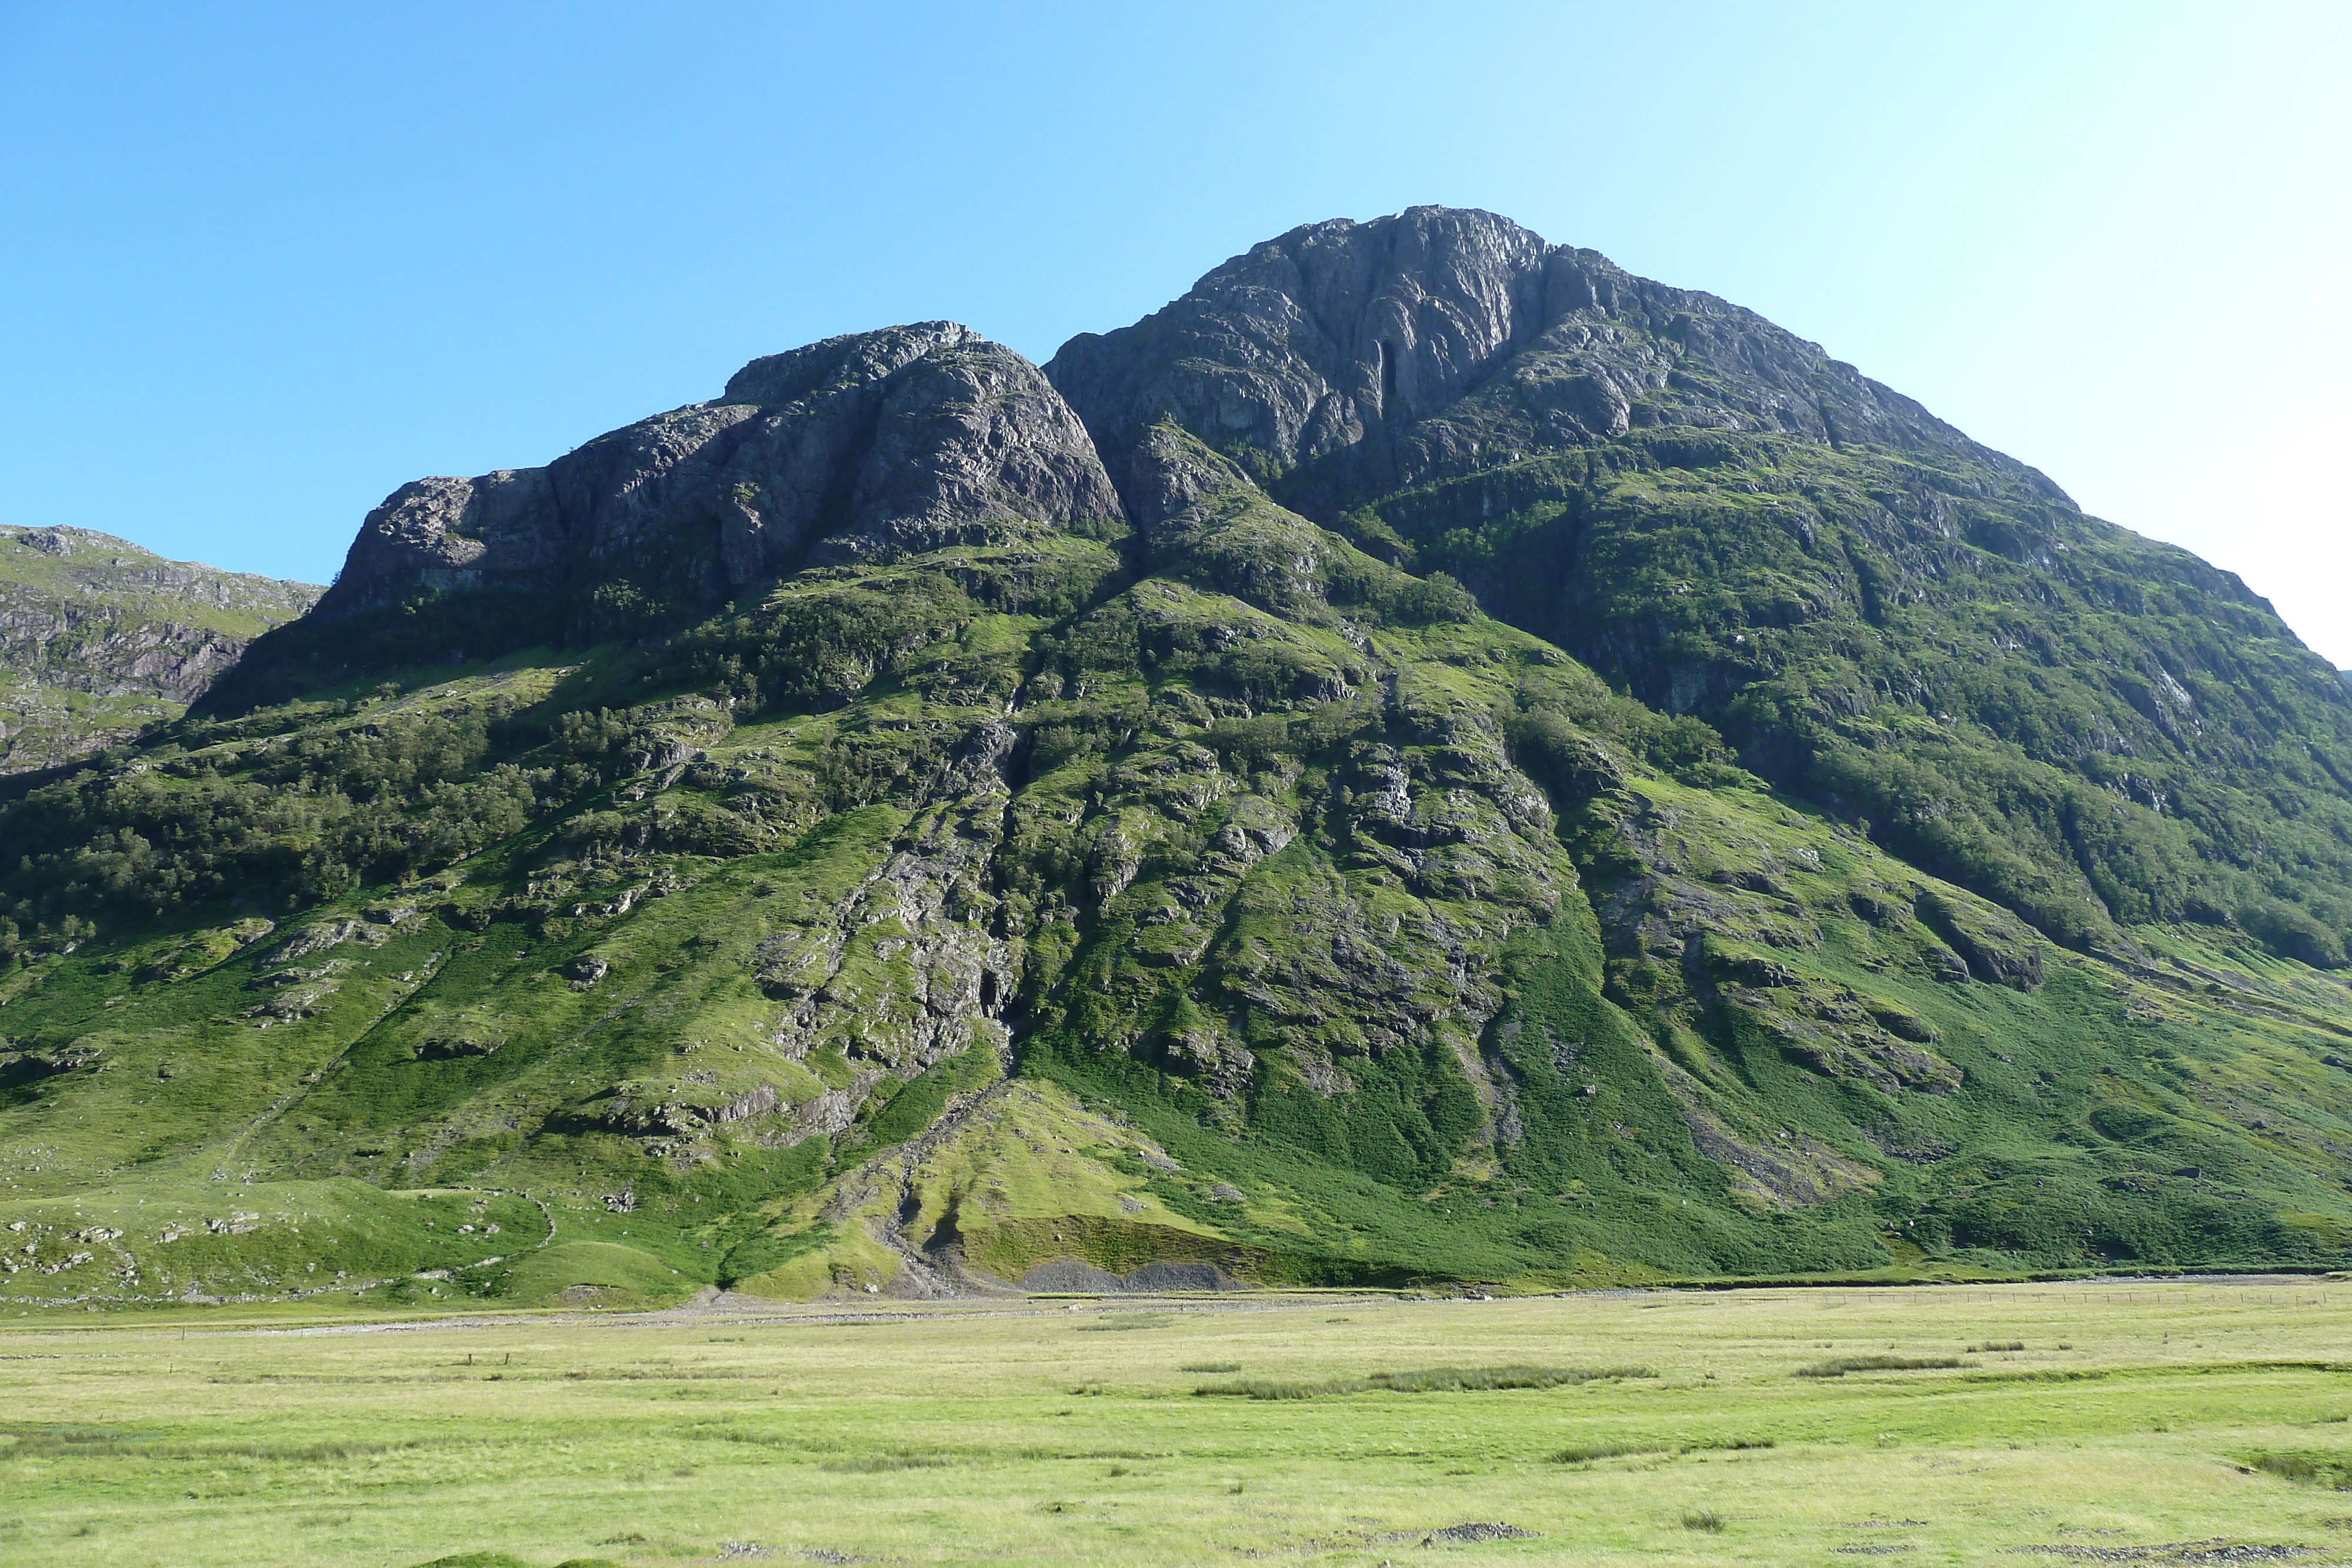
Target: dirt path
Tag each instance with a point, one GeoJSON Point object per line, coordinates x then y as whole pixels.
{"type": "Point", "coordinates": [732, 1309]}
{"type": "Point", "coordinates": [751, 1310]}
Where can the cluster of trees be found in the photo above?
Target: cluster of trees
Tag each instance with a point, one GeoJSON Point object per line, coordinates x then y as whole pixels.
{"type": "Point", "coordinates": [300, 818]}
{"type": "Point", "coordinates": [830, 633]}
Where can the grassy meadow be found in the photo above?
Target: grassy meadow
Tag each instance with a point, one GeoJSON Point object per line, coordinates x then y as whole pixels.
{"type": "Point", "coordinates": [2087, 1421]}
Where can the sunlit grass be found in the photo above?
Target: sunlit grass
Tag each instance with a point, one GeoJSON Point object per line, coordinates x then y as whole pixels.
{"type": "Point", "coordinates": [1014, 1433]}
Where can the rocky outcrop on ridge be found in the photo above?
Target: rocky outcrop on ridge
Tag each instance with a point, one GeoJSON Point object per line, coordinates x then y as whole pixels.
{"type": "Point", "coordinates": [855, 449]}
{"type": "Point", "coordinates": [1441, 340]}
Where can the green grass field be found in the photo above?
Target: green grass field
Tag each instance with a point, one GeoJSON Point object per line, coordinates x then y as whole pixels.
{"type": "Point", "coordinates": [2090, 1421]}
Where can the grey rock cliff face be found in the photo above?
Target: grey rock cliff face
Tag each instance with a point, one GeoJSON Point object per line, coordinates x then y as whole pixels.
{"type": "Point", "coordinates": [1422, 346]}
{"type": "Point", "coordinates": [856, 448]}
{"type": "Point", "coordinates": [99, 637]}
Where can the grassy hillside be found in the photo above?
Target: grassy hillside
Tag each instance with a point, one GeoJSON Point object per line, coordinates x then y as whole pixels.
{"type": "Point", "coordinates": [2091, 728]}
{"type": "Point", "coordinates": [1217, 905]}
{"type": "Point", "coordinates": [98, 638]}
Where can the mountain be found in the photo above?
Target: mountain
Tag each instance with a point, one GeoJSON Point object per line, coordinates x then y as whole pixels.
{"type": "Point", "coordinates": [1878, 614]}
{"type": "Point", "coordinates": [98, 638]}
{"type": "Point", "coordinates": [1428, 760]}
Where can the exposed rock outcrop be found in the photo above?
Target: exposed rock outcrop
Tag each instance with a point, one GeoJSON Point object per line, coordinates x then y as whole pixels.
{"type": "Point", "coordinates": [1439, 340]}
{"type": "Point", "coordinates": [99, 637]}
{"type": "Point", "coordinates": [854, 449]}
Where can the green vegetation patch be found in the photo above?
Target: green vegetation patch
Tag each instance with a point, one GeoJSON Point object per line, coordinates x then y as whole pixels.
{"type": "Point", "coordinates": [919, 1435]}
{"type": "Point", "coordinates": [1838, 1366]}
{"type": "Point", "coordinates": [1428, 1380]}
{"type": "Point", "coordinates": [592, 1273]}
{"type": "Point", "coordinates": [1587, 1453]}
{"type": "Point", "coordinates": [918, 1102]}
{"type": "Point", "coordinates": [2332, 1471]}
{"type": "Point", "coordinates": [1127, 1320]}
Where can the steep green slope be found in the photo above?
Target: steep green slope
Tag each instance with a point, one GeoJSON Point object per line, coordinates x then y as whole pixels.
{"type": "Point", "coordinates": [1917, 633]}
{"type": "Point", "coordinates": [908, 864]}
{"type": "Point", "coordinates": [98, 638]}
{"type": "Point", "coordinates": [2095, 730]}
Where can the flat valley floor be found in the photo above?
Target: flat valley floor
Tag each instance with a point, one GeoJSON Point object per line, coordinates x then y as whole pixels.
{"type": "Point", "coordinates": [2142, 1422]}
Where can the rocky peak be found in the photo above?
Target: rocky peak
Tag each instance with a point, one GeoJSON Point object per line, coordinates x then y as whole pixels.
{"type": "Point", "coordinates": [1357, 357]}
{"type": "Point", "coordinates": [856, 448]}
{"type": "Point", "coordinates": [835, 364]}
{"type": "Point", "coordinates": [55, 542]}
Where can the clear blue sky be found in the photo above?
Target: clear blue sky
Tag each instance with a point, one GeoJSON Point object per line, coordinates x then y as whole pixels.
{"type": "Point", "coordinates": [262, 264]}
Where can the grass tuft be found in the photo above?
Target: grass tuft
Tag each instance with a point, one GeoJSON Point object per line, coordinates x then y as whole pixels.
{"type": "Point", "coordinates": [1429, 1380]}
{"type": "Point", "coordinates": [1585, 1453]}
{"type": "Point", "coordinates": [88, 1443]}
{"type": "Point", "coordinates": [2332, 1471]}
{"type": "Point", "coordinates": [1839, 1366]}
{"type": "Point", "coordinates": [883, 1464]}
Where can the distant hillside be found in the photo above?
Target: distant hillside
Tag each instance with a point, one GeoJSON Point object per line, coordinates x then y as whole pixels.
{"type": "Point", "coordinates": [98, 638]}
{"type": "Point", "coordinates": [1431, 760]}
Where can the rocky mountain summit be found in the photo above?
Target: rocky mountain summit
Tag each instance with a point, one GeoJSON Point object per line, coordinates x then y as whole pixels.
{"type": "Point", "coordinates": [1429, 760]}
{"type": "Point", "coordinates": [1358, 359]}
{"type": "Point", "coordinates": [860, 448]}
{"type": "Point", "coordinates": [98, 638]}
